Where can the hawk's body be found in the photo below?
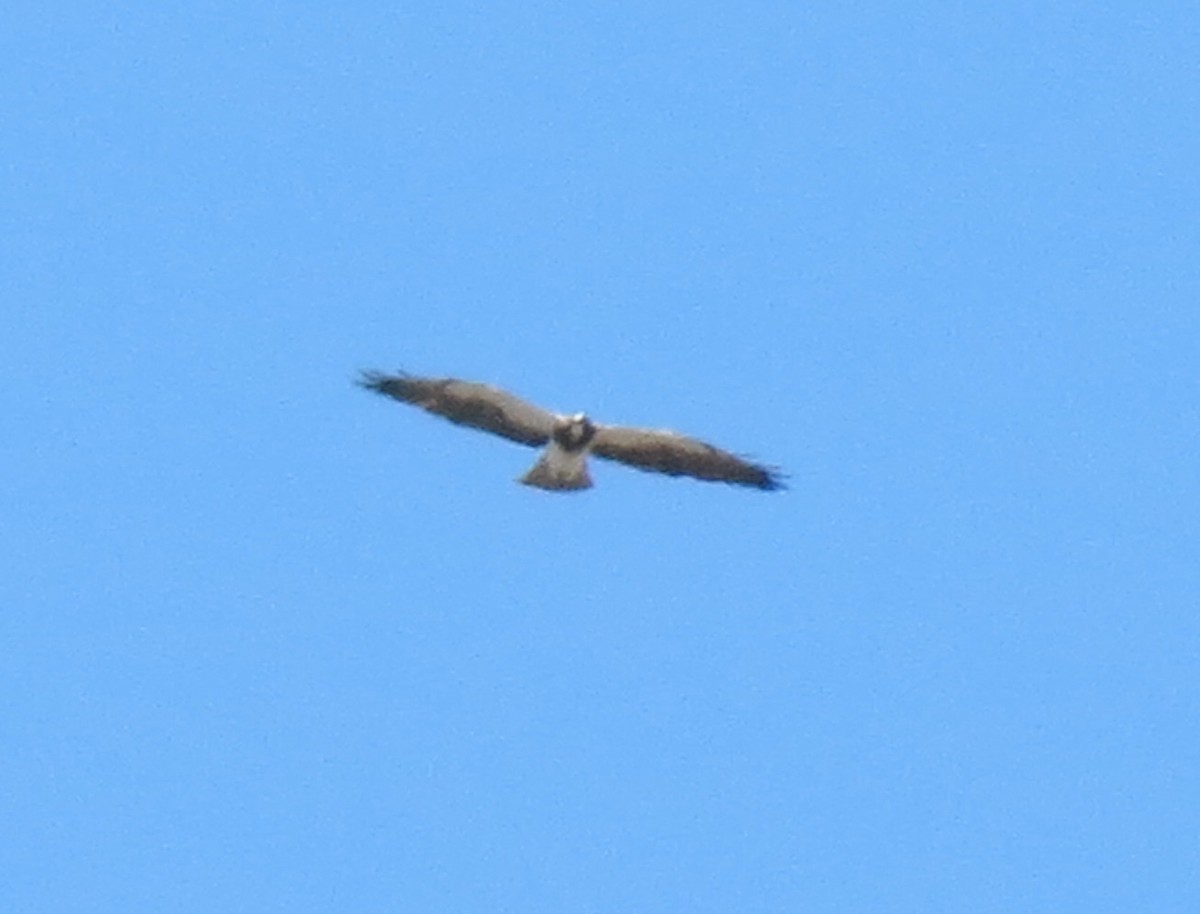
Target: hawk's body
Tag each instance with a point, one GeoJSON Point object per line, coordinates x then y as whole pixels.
{"type": "Point", "coordinates": [568, 440]}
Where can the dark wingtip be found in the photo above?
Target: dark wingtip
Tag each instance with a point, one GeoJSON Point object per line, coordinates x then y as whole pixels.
{"type": "Point", "coordinates": [378, 381]}
{"type": "Point", "coordinates": [772, 480]}
{"type": "Point", "coordinates": [370, 380]}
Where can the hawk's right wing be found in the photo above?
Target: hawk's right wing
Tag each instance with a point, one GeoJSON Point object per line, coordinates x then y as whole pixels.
{"type": "Point", "coordinates": [468, 403]}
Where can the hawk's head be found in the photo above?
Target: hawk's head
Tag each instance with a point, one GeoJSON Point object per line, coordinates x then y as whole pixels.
{"type": "Point", "coordinates": [573, 433]}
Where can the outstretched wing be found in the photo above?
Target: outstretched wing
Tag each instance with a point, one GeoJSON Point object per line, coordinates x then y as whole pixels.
{"type": "Point", "coordinates": [677, 455]}
{"type": "Point", "coordinates": [467, 403]}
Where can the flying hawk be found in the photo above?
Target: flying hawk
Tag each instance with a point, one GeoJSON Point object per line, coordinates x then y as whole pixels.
{"type": "Point", "coordinates": [567, 440]}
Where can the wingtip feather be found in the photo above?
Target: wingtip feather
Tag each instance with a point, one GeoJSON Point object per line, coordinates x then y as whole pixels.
{"type": "Point", "coordinates": [370, 379]}
{"type": "Point", "coordinates": [768, 479]}
{"type": "Point", "coordinates": [379, 381]}
{"type": "Point", "coordinates": [775, 481]}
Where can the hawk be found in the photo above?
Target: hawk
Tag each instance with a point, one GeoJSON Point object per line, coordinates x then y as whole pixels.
{"type": "Point", "coordinates": [568, 439]}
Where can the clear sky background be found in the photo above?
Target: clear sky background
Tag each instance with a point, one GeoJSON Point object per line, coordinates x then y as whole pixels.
{"type": "Point", "coordinates": [270, 643]}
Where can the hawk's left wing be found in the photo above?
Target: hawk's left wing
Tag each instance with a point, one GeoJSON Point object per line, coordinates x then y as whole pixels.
{"type": "Point", "coordinates": [661, 451]}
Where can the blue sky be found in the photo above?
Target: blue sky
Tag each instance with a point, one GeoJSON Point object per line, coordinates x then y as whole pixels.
{"type": "Point", "coordinates": [271, 644]}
